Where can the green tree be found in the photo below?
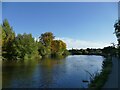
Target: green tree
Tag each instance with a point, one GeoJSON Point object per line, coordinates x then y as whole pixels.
{"type": "Point", "coordinates": [109, 51]}
{"type": "Point", "coordinates": [46, 40]}
{"type": "Point", "coordinates": [25, 47]}
{"type": "Point", "coordinates": [8, 37]}
{"type": "Point", "coordinates": [1, 41]}
{"type": "Point", "coordinates": [3, 36]}
{"type": "Point", "coordinates": [117, 31]}
{"type": "Point", "coordinates": [42, 49]}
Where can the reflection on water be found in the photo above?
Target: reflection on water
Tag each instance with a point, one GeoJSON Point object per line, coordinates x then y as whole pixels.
{"type": "Point", "coordinates": [50, 73]}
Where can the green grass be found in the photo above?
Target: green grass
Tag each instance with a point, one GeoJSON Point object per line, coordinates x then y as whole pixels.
{"type": "Point", "coordinates": [100, 79]}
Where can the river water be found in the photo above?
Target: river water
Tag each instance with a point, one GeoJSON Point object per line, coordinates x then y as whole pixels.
{"type": "Point", "coordinates": [51, 73]}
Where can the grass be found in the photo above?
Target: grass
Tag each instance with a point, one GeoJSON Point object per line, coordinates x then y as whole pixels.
{"type": "Point", "coordinates": [100, 79]}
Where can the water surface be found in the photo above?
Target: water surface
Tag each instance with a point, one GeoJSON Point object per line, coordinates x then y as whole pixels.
{"type": "Point", "coordinates": [51, 73]}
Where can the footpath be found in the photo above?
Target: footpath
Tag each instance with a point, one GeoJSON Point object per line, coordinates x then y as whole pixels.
{"type": "Point", "coordinates": [112, 81]}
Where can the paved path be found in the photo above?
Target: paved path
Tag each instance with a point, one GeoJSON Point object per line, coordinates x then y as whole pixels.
{"type": "Point", "coordinates": [112, 81]}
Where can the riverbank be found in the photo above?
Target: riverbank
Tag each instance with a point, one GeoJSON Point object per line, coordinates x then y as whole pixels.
{"type": "Point", "coordinates": [100, 79]}
{"type": "Point", "coordinates": [112, 81]}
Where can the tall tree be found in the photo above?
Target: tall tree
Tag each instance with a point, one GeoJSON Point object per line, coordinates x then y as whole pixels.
{"type": "Point", "coordinates": [58, 47]}
{"type": "Point", "coordinates": [8, 37]}
{"type": "Point", "coordinates": [1, 41]}
{"type": "Point", "coordinates": [42, 49]}
{"type": "Point", "coordinates": [25, 46]}
{"type": "Point", "coordinates": [46, 40]}
{"type": "Point", "coordinates": [117, 31]}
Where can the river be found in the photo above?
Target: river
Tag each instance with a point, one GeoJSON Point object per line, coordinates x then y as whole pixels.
{"type": "Point", "coordinates": [51, 73]}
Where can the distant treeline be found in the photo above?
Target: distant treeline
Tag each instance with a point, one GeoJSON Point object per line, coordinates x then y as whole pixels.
{"type": "Point", "coordinates": [24, 46]}
{"type": "Point", "coordinates": [110, 50]}
{"type": "Point", "coordinates": [87, 51]}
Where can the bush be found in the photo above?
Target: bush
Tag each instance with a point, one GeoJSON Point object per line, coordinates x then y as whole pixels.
{"type": "Point", "coordinates": [100, 79]}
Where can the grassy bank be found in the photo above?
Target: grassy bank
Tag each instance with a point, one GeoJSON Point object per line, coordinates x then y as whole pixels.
{"type": "Point", "coordinates": [100, 79]}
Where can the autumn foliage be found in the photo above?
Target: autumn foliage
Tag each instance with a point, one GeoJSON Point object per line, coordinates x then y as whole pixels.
{"type": "Point", "coordinates": [24, 46]}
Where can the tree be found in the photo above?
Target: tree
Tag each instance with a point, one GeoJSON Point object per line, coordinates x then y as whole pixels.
{"type": "Point", "coordinates": [25, 47]}
{"type": "Point", "coordinates": [50, 47]}
{"type": "Point", "coordinates": [117, 31]}
{"type": "Point", "coordinates": [46, 40]}
{"type": "Point", "coordinates": [8, 37]}
{"type": "Point", "coordinates": [109, 51]}
{"type": "Point", "coordinates": [3, 36]}
{"type": "Point", "coordinates": [1, 41]}
{"type": "Point", "coordinates": [42, 49]}
{"type": "Point", "coordinates": [58, 47]}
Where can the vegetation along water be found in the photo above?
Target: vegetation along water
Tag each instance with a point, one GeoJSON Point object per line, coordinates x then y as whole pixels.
{"type": "Point", "coordinates": [46, 62]}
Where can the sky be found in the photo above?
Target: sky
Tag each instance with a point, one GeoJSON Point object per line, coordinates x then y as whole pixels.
{"type": "Point", "coordinates": [79, 25]}
{"type": "Point", "coordinates": [0, 12]}
{"type": "Point", "coordinates": [60, 0]}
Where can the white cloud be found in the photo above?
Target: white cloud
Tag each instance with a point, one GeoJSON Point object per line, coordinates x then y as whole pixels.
{"type": "Point", "coordinates": [78, 44]}
{"type": "Point", "coordinates": [36, 39]}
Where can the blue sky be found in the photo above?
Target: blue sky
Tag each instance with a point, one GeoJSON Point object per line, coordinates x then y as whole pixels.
{"type": "Point", "coordinates": [80, 25]}
{"type": "Point", "coordinates": [0, 12]}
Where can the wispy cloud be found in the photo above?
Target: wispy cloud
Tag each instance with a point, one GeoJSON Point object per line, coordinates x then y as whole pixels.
{"type": "Point", "coordinates": [78, 44]}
